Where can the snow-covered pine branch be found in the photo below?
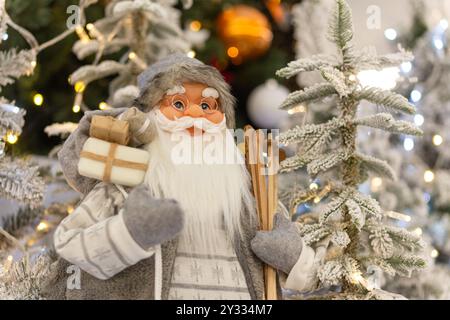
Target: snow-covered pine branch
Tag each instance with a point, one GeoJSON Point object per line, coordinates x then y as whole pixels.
{"type": "Point", "coordinates": [340, 30]}
{"type": "Point", "coordinates": [295, 162]}
{"type": "Point", "coordinates": [333, 272]}
{"type": "Point", "coordinates": [333, 208]}
{"type": "Point", "coordinates": [15, 64]}
{"type": "Point", "coordinates": [369, 60]}
{"type": "Point", "coordinates": [307, 133]}
{"type": "Point", "coordinates": [338, 80]}
{"type": "Point", "coordinates": [386, 121]}
{"type": "Point", "coordinates": [19, 180]}
{"type": "Point", "coordinates": [405, 264]}
{"type": "Point", "coordinates": [368, 205]}
{"type": "Point", "coordinates": [125, 7]}
{"type": "Point", "coordinates": [379, 167]}
{"type": "Point", "coordinates": [310, 94]}
{"type": "Point", "coordinates": [325, 162]}
{"type": "Point", "coordinates": [91, 73]}
{"type": "Point", "coordinates": [25, 279]}
{"type": "Point", "coordinates": [22, 218]}
{"type": "Point", "coordinates": [312, 233]}
{"type": "Point", "coordinates": [60, 129]}
{"type": "Point", "coordinates": [11, 118]}
{"type": "Point", "coordinates": [358, 218]}
{"type": "Point", "coordinates": [315, 63]}
{"type": "Point", "coordinates": [386, 98]}
{"type": "Point", "coordinates": [408, 240]}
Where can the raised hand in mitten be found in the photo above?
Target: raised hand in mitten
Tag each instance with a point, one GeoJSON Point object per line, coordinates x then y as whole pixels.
{"type": "Point", "coordinates": [280, 247]}
{"type": "Point", "coordinates": [151, 221]}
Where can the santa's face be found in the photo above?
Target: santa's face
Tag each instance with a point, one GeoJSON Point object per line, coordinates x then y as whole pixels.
{"type": "Point", "coordinates": [194, 160]}
{"type": "Point", "coordinates": [194, 100]}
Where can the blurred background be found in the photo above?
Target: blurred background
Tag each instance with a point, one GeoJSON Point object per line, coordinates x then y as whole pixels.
{"type": "Point", "coordinates": [270, 45]}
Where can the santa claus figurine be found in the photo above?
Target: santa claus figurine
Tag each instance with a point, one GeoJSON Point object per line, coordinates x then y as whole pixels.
{"type": "Point", "coordinates": [190, 231]}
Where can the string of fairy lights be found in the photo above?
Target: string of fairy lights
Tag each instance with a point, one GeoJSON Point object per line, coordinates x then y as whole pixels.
{"type": "Point", "coordinates": [86, 32]}
{"type": "Point", "coordinates": [388, 79]}
{"type": "Point", "coordinates": [438, 43]}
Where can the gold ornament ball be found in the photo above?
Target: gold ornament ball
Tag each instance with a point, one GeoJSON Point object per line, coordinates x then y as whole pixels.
{"type": "Point", "coordinates": [245, 31]}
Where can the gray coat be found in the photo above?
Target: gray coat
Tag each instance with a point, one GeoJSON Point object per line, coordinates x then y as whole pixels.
{"type": "Point", "coordinates": [137, 281]}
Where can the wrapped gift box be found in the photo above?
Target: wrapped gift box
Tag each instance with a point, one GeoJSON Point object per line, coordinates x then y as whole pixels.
{"type": "Point", "coordinates": [110, 162]}
{"type": "Point", "coordinates": [110, 129]}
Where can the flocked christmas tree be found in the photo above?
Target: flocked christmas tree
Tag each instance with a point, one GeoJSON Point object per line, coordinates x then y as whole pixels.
{"type": "Point", "coordinates": [17, 179]}
{"type": "Point", "coordinates": [141, 32]}
{"type": "Point", "coordinates": [354, 224]}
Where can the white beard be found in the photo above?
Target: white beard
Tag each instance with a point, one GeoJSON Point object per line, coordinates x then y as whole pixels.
{"type": "Point", "coordinates": [212, 195]}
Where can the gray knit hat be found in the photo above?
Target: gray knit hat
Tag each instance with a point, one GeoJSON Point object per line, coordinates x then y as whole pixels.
{"type": "Point", "coordinates": [176, 69]}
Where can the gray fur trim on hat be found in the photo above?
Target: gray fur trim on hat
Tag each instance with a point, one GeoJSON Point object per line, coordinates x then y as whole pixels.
{"type": "Point", "coordinates": [176, 69]}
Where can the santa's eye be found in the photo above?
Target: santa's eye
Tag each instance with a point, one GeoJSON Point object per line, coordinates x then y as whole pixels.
{"type": "Point", "coordinates": [205, 106]}
{"type": "Point", "coordinates": [179, 105]}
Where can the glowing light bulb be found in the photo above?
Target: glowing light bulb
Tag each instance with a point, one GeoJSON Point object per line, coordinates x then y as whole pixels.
{"type": "Point", "coordinates": [416, 96]}
{"type": "Point", "coordinates": [443, 24]}
{"type": "Point", "coordinates": [419, 119]}
{"type": "Point", "coordinates": [70, 209]}
{"type": "Point", "coordinates": [385, 79]}
{"type": "Point", "coordinates": [376, 184]}
{"type": "Point", "coordinates": [418, 232]}
{"type": "Point", "coordinates": [42, 226]}
{"type": "Point", "coordinates": [76, 108]}
{"type": "Point", "coordinates": [434, 253]}
{"type": "Point", "coordinates": [299, 109]}
{"type": "Point", "coordinates": [38, 99]}
{"type": "Point", "coordinates": [12, 138]}
{"type": "Point", "coordinates": [313, 186]}
{"type": "Point", "coordinates": [191, 54]}
{"type": "Point", "coordinates": [408, 144]}
{"type": "Point", "coordinates": [89, 26]}
{"type": "Point", "coordinates": [82, 34]}
{"type": "Point", "coordinates": [8, 263]}
{"type": "Point", "coordinates": [357, 278]}
{"type": "Point", "coordinates": [132, 55]}
{"type": "Point", "coordinates": [438, 44]}
{"type": "Point", "coordinates": [437, 140]}
{"type": "Point", "coordinates": [5, 36]}
{"type": "Point", "coordinates": [428, 176]}
{"type": "Point", "coordinates": [33, 64]}
{"type": "Point", "coordinates": [317, 199]}
{"type": "Point", "coordinates": [390, 34]}
{"type": "Point", "coordinates": [406, 67]}
{"type": "Point", "coordinates": [80, 86]}
{"type": "Point", "coordinates": [195, 25]}
{"type": "Point", "coordinates": [352, 78]}
{"type": "Point", "coordinates": [103, 106]}
{"type": "Point", "coordinates": [233, 52]}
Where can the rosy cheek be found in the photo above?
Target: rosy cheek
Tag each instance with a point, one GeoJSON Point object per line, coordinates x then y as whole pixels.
{"type": "Point", "coordinates": [170, 112]}
{"type": "Point", "coordinates": [215, 117]}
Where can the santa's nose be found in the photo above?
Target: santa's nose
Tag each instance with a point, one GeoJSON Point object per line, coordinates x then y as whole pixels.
{"type": "Point", "coordinates": [194, 111]}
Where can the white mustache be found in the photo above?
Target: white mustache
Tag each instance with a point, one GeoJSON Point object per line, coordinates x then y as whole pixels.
{"type": "Point", "coordinates": [183, 123]}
